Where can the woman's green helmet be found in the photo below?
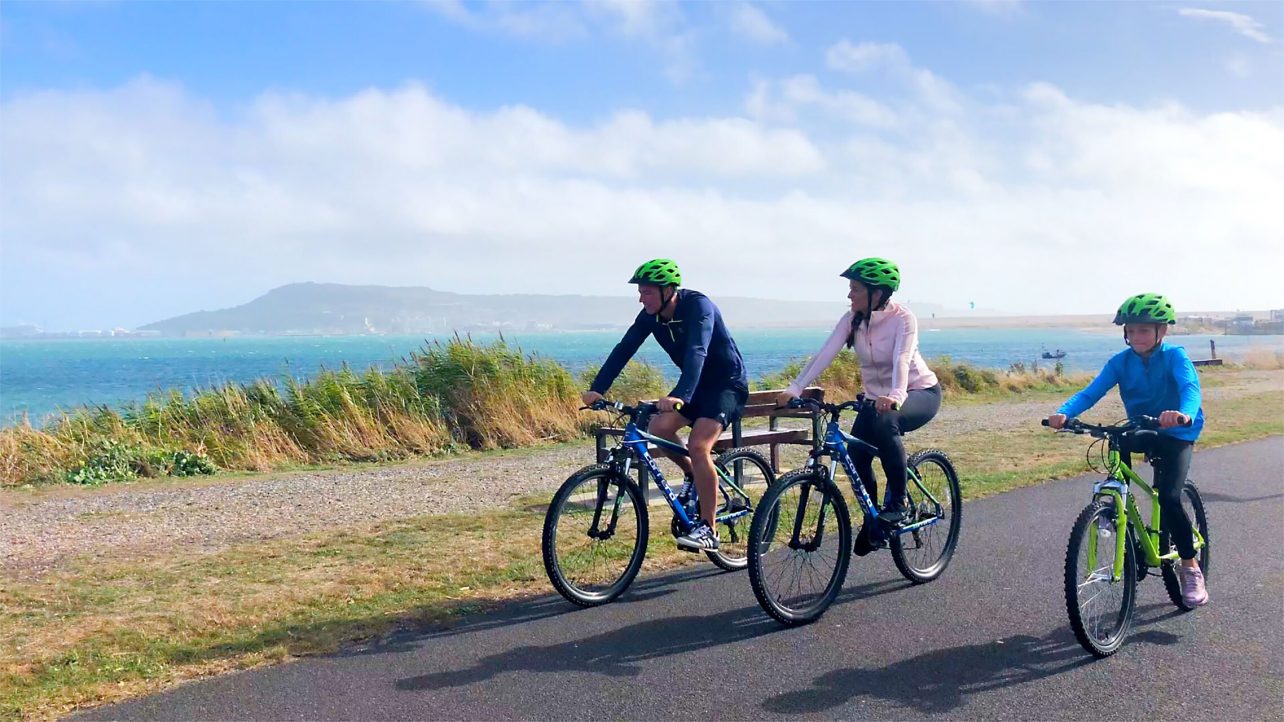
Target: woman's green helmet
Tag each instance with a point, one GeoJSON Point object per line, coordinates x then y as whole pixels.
{"type": "Point", "coordinates": [658, 272]}
{"type": "Point", "coordinates": [1146, 308]}
{"type": "Point", "coordinates": [874, 272]}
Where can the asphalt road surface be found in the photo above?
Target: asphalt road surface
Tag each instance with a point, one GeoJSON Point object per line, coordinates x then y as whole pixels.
{"type": "Point", "coordinates": [988, 640]}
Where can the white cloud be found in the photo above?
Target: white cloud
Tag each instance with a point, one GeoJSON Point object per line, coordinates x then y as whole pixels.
{"type": "Point", "coordinates": [149, 196]}
{"type": "Point", "coordinates": [891, 59]}
{"type": "Point", "coordinates": [1243, 24]}
{"type": "Point", "coordinates": [752, 23]}
{"type": "Point", "coordinates": [997, 7]}
{"type": "Point", "coordinates": [1239, 65]}
{"type": "Point", "coordinates": [782, 101]}
{"type": "Point", "coordinates": [865, 56]}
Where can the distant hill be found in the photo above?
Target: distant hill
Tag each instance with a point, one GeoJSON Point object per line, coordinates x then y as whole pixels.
{"type": "Point", "coordinates": [331, 308]}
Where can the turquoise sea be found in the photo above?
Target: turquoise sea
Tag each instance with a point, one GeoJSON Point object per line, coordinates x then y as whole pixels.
{"type": "Point", "coordinates": [38, 377]}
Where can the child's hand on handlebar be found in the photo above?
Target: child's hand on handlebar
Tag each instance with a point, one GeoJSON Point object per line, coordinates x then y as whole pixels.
{"type": "Point", "coordinates": [783, 399]}
{"type": "Point", "coordinates": [884, 403]}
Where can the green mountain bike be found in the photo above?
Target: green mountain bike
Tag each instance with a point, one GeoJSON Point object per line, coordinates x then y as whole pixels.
{"type": "Point", "coordinates": [1112, 547]}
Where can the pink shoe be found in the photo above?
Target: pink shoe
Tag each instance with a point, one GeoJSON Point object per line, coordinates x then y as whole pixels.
{"type": "Point", "coordinates": [1193, 592]}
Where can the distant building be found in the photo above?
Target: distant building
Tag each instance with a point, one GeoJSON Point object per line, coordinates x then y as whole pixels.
{"type": "Point", "coordinates": [1277, 314]}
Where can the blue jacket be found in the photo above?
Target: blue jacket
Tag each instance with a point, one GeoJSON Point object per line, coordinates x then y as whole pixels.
{"type": "Point", "coordinates": [696, 339]}
{"type": "Point", "coordinates": [1166, 381]}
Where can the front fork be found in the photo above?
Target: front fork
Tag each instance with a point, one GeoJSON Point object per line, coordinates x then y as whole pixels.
{"type": "Point", "coordinates": [1120, 532]}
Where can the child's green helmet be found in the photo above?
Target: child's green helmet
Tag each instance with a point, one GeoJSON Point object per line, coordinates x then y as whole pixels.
{"type": "Point", "coordinates": [658, 272]}
{"type": "Point", "coordinates": [1146, 308]}
{"type": "Point", "coordinates": [874, 272]}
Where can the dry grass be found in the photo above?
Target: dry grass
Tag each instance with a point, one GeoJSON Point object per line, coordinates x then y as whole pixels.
{"type": "Point", "coordinates": [96, 632]}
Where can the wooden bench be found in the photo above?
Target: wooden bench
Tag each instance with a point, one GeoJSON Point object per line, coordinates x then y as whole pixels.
{"type": "Point", "coordinates": [760, 404]}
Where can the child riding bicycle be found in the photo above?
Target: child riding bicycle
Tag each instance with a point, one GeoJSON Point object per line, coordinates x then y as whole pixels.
{"type": "Point", "coordinates": [1155, 379]}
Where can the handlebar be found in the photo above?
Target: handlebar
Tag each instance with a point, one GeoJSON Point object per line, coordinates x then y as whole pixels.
{"type": "Point", "coordinates": [644, 408]}
{"type": "Point", "coordinates": [860, 403]}
{"type": "Point", "coordinates": [1141, 425]}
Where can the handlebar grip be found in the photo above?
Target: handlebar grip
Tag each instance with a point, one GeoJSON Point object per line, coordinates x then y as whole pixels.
{"type": "Point", "coordinates": [1044, 422]}
{"type": "Point", "coordinates": [677, 406]}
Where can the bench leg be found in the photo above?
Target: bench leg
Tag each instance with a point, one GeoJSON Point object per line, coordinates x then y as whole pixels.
{"type": "Point", "coordinates": [775, 458]}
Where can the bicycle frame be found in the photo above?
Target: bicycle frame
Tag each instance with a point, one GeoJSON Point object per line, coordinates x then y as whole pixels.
{"type": "Point", "coordinates": [1116, 486]}
{"type": "Point", "coordinates": [835, 446]}
{"type": "Point", "coordinates": [635, 442]}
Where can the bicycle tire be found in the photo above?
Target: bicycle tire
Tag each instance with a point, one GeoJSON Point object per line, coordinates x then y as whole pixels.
{"type": "Point", "coordinates": [733, 549]}
{"type": "Point", "coordinates": [775, 514]}
{"type": "Point", "coordinates": [1087, 630]}
{"type": "Point", "coordinates": [1172, 584]}
{"type": "Point", "coordinates": [565, 572]}
{"type": "Point", "coordinates": [916, 554]}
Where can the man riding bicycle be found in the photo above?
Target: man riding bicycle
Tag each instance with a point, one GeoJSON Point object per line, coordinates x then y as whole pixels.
{"type": "Point", "coordinates": [711, 391]}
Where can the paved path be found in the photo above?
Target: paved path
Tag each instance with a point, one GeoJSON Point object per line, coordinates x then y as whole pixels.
{"type": "Point", "coordinates": [988, 640]}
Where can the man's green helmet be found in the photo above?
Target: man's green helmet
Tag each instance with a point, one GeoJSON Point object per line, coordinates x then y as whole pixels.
{"type": "Point", "coordinates": [658, 272]}
{"type": "Point", "coordinates": [1146, 308]}
{"type": "Point", "coordinates": [874, 272]}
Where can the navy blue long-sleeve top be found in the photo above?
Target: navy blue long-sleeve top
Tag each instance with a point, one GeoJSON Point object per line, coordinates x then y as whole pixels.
{"type": "Point", "coordinates": [696, 339]}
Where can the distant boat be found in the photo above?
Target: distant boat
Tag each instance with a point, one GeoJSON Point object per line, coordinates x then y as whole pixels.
{"type": "Point", "coordinates": [1054, 354]}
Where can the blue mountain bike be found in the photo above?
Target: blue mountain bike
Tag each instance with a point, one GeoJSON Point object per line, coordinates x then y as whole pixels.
{"type": "Point", "coordinates": [597, 527]}
{"type": "Point", "coordinates": [800, 541]}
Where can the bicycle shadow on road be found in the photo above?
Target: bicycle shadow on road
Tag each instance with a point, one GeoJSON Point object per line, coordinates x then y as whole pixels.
{"type": "Point", "coordinates": [940, 681]}
{"type": "Point", "coordinates": [485, 615]}
{"type": "Point", "coordinates": [1219, 498]}
{"type": "Point", "coordinates": [617, 653]}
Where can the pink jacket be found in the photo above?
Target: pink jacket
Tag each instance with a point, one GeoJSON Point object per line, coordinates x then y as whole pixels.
{"type": "Point", "coordinates": [890, 364]}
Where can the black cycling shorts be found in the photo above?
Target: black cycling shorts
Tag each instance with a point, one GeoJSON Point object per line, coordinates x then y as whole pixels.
{"type": "Point", "coordinates": [723, 403]}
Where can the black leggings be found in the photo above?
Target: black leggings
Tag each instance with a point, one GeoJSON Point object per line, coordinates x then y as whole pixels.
{"type": "Point", "coordinates": [884, 431]}
{"type": "Point", "coordinates": [1170, 458]}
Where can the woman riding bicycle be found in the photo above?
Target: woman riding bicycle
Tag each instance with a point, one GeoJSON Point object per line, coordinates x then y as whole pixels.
{"type": "Point", "coordinates": [884, 336]}
{"type": "Point", "coordinates": [1159, 380]}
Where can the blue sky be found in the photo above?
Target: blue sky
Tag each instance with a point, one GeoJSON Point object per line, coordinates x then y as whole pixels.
{"type": "Point", "coordinates": [158, 158]}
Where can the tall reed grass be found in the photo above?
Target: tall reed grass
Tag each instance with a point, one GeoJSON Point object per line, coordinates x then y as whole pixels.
{"type": "Point", "coordinates": [446, 397]}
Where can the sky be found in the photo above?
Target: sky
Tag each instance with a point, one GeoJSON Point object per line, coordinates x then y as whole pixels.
{"type": "Point", "coordinates": [158, 158]}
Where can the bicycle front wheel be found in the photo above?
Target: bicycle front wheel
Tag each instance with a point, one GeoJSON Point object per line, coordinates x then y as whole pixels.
{"type": "Point", "coordinates": [799, 547]}
{"type": "Point", "coordinates": [595, 536]}
{"type": "Point", "coordinates": [744, 476]}
{"type": "Point", "coordinates": [933, 495]}
{"type": "Point", "coordinates": [1100, 606]}
{"type": "Point", "coordinates": [1193, 505]}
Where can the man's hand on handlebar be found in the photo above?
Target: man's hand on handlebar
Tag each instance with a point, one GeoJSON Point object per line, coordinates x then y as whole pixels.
{"type": "Point", "coordinates": [783, 399]}
{"type": "Point", "coordinates": [669, 403]}
{"type": "Point", "coordinates": [588, 397]}
{"type": "Point", "coordinates": [1056, 421]}
{"type": "Point", "coordinates": [1169, 419]}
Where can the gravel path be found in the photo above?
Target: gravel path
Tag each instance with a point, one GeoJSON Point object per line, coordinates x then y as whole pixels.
{"type": "Point", "coordinates": [43, 530]}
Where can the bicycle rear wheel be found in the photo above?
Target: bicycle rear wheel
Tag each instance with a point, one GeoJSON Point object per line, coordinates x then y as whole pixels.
{"type": "Point", "coordinates": [744, 476]}
{"type": "Point", "coordinates": [1193, 505]}
{"type": "Point", "coordinates": [933, 493]}
{"type": "Point", "coordinates": [595, 536]}
{"type": "Point", "coordinates": [1100, 607]}
{"type": "Point", "coordinates": [799, 547]}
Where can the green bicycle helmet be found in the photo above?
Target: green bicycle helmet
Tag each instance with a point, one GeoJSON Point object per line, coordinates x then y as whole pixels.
{"type": "Point", "coordinates": [658, 272]}
{"type": "Point", "coordinates": [874, 272]}
{"type": "Point", "coordinates": [1146, 308]}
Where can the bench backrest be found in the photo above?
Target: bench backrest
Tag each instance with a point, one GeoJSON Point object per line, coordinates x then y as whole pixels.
{"type": "Point", "coordinates": [763, 403]}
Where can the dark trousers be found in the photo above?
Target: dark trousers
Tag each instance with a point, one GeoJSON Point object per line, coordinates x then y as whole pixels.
{"type": "Point", "coordinates": [1170, 458]}
{"type": "Point", "coordinates": [884, 431]}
